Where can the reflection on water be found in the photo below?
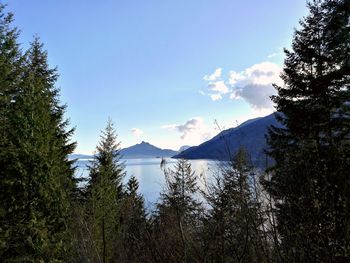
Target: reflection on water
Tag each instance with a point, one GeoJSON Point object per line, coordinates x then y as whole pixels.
{"type": "Point", "coordinates": [151, 177]}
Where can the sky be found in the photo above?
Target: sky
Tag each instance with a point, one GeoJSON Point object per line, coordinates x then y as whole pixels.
{"type": "Point", "coordinates": [165, 71]}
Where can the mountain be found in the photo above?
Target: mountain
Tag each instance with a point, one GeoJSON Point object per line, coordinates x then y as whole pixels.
{"type": "Point", "coordinates": [183, 148]}
{"type": "Point", "coordinates": [250, 135]}
{"type": "Point", "coordinates": [146, 150]}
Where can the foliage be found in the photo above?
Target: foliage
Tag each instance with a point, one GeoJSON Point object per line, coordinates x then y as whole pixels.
{"type": "Point", "coordinates": [233, 226]}
{"type": "Point", "coordinates": [133, 240]}
{"type": "Point", "coordinates": [310, 181]}
{"type": "Point", "coordinates": [104, 191]}
{"type": "Point", "coordinates": [176, 222]}
{"type": "Point", "coordinates": [36, 176]}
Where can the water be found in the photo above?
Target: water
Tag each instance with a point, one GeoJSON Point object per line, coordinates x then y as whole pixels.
{"type": "Point", "coordinates": [151, 177]}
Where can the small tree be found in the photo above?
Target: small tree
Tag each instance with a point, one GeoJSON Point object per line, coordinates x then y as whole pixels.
{"type": "Point", "coordinates": [233, 225]}
{"type": "Point", "coordinates": [105, 191]}
{"type": "Point", "coordinates": [133, 235]}
{"type": "Point", "coordinates": [178, 214]}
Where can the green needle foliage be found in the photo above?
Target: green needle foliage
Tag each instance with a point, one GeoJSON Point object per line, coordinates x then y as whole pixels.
{"type": "Point", "coordinates": [310, 179]}
{"type": "Point", "coordinates": [36, 176]}
{"type": "Point", "coordinates": [104, 194]}
{"type": "Point", "coordinates": [178, 213]}
{"type": "Point", "coordinates": [233, 231]}
{"type": "Point", "coordinates": [133, 233]}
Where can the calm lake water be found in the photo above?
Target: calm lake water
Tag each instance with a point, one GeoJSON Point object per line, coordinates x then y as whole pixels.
{"type": "Point", "coordinates": [151, 177]}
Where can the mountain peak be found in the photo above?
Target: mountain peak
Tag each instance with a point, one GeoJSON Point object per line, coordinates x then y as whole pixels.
{"type": "Point", "coordinates": [146, 150]}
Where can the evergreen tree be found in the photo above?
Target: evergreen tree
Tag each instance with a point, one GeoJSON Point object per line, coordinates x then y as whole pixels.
{"type": "Point", "coordinates": [105, 193]}
{"type": "Point", "coordinates": [132, 187]}
{"type": "Point", "coordinates": [177, 221]}
{"type": "Point", "coordinates": [310, 179]}
{"type": "Point", "coordinates": [133, 226]}
{"type": "Point", "coordinates": [233, 226]}
{"type": "Point", "coordinates": [11, 60]}
{"type": "Point", "coordinates": [37, 176]}
{"type": "Point", "coordinates": [10, 76]}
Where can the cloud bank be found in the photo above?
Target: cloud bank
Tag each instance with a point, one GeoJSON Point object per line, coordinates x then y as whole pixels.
{"type": "Point", "coordinates": [253, 85]}
{"type": "Point", "coordinates": [193, 128]}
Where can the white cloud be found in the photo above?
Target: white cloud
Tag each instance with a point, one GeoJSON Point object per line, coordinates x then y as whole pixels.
{"type": "Point", "coordinates": [235, 95]}
{"type": "Point", "coordinates": [264, 73]}
{"type": "Point", "coordinates": [254, 85]}
{"type": "Point", "coordinates": [215, 85]}
{"type": "Point", "coordinates": [234, 77]}
{"type": "Point", "coordinates": [137, 132]}
{"type": "Point", "coordinates": [194, 128]}
{"type": "Point", "coordinates": [219, 87]}
{"type": "Point", "coordinates": [257, 95]}
{"type": "Point", "coordinates": [214, 76]}
{"type": "Point", "coordinates": [215, 97]}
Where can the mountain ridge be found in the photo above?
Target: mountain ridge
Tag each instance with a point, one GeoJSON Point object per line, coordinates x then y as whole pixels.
{"type": "Point", "coordinates": [146, 150]}
{"type": "Point", "coordinates": [222, 147]}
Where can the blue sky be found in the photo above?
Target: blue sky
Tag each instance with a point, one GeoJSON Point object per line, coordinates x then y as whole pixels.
{"type": "Point", "coordinates": [162, 70]}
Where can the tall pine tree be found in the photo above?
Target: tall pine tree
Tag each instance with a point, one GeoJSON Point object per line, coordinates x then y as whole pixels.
{"type": "Point", "coordinates": [310, 179]}
{"type": "Point", "coordinates": [105, 191]}
{"type": "Point", "coordinates": [11, 60]}
{"type": "Point", "coordinates": [37, 175]}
